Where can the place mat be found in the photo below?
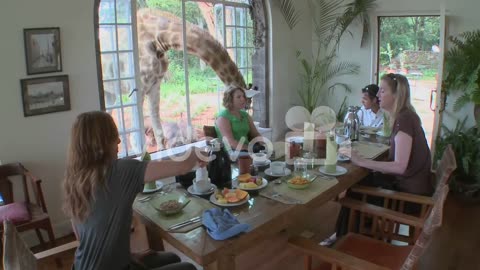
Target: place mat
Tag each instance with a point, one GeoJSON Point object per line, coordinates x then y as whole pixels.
{"type": "Point", "coordinates": [195, 208]}
{"type": "Point", "coordinates": [370, 150]}
{"type": "Point", "coordinates": [284, 194]}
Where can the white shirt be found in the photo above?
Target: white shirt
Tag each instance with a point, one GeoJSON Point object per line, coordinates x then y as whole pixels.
{"type": "Point", "coordinates": [370, 119]}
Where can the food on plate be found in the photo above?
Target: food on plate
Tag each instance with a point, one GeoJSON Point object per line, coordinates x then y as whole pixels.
{"type": "Point", "coordinates": [244, 178]}
{"type": "Point", "coordinates": [298, 180]}
{"type": "Point", "coordinates": [253, 182]}
{"type": "Point", "coordinates": [248, 185]}
{"type": "Point", "coordinates": [170, 205]}
{"type": "Point", "coordinates": [230, 195]}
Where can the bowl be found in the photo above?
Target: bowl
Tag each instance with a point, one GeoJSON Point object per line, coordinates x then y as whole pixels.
{"type": "Point", "coordinates": [170, 205]}
{"type": "Point", "coordinates": [295, 183]}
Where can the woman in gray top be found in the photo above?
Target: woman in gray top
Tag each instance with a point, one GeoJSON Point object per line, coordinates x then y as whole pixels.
{"type": "Point", "coordinates": [99, 191]}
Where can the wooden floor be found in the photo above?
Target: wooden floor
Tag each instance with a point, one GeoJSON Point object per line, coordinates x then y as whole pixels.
{"type": "Point", "coordinates": [456, 246]}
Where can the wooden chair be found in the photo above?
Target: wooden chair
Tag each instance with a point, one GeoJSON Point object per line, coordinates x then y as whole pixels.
{"type": "Point", "coordinates": [359, 252]}
{"type": "Point", "coordinates": [39, 218]}
{"type": "Point", "coordinates": [396, 201]}
{"type": "Point", "coordinates": [16, 254]}
{"type": "Point", "coordinates": [210, 132]}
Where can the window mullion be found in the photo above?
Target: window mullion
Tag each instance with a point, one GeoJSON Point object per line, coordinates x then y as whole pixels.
{"type": "Point", "coordinates": [185, 63]}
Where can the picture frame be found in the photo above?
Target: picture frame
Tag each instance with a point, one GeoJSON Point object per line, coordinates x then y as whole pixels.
{"type": "Point", "coordinates": [42, 50]}
{"type": "Point", "coordinates": [45, 95]}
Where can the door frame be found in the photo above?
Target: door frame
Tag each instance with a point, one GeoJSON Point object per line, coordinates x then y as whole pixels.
{"type": "Point", "coordinates": [439, 104]}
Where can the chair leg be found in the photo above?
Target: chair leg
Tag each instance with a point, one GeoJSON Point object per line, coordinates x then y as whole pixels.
{"type": "Point", "coordinates": [51, 238]}
{"type": "Point", "coordinates": [307, 262]}
{"type": "Point", "coordinates": [40, 238]}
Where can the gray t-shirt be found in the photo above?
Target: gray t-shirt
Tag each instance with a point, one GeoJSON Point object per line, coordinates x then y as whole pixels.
{"type": "Point", "coordinates": [105, 234]}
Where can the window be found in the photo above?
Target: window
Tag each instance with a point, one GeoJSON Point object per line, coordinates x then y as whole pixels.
{"type": "Point", "coordinates": [190, 93]}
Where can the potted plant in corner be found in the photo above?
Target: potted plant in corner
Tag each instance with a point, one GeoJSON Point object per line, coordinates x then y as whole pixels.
{"type": "Point", "coordinates": [462, 69]}
{"type": "Point", "coordinates": [465, 182]}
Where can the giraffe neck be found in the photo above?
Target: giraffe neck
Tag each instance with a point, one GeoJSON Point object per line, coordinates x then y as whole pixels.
{"type": "Point", "coordinates": [164, 31]}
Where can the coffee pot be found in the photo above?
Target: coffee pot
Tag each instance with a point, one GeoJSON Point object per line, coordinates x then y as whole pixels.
{"type": "Point", "coordinates": [351, 123]}
{"type": "Point", "coordinates": [219, 169]}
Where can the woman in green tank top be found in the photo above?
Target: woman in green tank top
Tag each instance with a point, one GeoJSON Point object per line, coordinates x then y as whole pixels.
{"type": "Point", "coordinates": [233, 122]}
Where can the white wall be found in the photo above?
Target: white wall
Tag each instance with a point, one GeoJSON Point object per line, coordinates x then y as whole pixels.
{"type": "Point", "coordinates": [284, 65]}
{"type": "Point", "coordinates": [40, 142]}
{"type": "Point", "coordinates": [462, 16]}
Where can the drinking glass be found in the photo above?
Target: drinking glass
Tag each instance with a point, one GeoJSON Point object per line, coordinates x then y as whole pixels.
{"type": "Point", "coordinates": [310, 159]}
{"type": "Point", "coordinates": [300, 166]}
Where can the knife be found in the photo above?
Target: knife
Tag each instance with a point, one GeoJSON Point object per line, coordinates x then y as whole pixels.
{"type": "Point", "coordinates": [185, 223]}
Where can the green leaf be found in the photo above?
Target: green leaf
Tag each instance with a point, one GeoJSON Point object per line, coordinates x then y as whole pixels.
{"type": "Point", "coordinates": [292, 16]}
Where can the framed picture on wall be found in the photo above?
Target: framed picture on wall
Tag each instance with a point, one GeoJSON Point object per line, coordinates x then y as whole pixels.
{"type": "Point", "coordinates": [42, 50]}
{"type": "Point", "coordinates": [45, 95]}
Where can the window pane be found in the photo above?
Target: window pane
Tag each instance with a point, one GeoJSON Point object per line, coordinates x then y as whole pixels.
{"type": "Point", "coordinates": [218, 14]}
{"type": "Point", "coordinates": [107, 11]}
{"type": "Point", "coordinates": [123, 11]}
{"type": "Point", "coordinates": [125, 37]}
{"type": "Point", "coordinates": [130, 117]}
{"type": "Point", "coordinates": [241, 37]}
{"type": "Point", "coordinates": [250, 37]}
{"type": "Point", "coordinates": [134, 143]}
{"type": "Point", "coordinates": [117, 118]}
{"type": "Point", "coordinates": [230, 36]}
{"type": "Point", "coordinates": [109, 66]}
{"type": "Point", "coordinates": [122, 148]}
{"type": "Point", "coordinates": [240, 17]}
{"type": "Point", "coordinates": [108, 41]}
{"type": "Point", "coordinates": [229, 16]}
{"type": "Point", "coordinates": [111, 91]}
{"type": "Point", "coordinates": [127, 68]}
{"type": "Point", "coordinates": [127, 86]}
{"type": "Point", "coordinates": [238, 1]}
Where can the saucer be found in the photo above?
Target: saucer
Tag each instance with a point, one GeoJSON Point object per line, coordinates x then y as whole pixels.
{"type": "Point", "coordinates": [159, 186]}
{"type": "Point", "coordinates": [269, 172]}
{"type": "Point", "coordinates": [339, 171]}
{"type": "Point", "coordinates": [192, 191]}
{"type": "Point", "coordinates": [265, 163]}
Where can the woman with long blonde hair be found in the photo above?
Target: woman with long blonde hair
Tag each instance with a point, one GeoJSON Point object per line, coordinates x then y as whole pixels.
{"type": "Point", "coordinates": [99, 191]}
{"type": "Point", "coordinates": [407, 168]}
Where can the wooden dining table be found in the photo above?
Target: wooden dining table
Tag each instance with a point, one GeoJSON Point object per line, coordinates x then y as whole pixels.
{"type": "Point", "coordinates": [265, 216]}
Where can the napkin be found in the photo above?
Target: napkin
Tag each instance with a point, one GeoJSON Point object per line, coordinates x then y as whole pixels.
{"type": "Point", "coordinates": [222, 225]}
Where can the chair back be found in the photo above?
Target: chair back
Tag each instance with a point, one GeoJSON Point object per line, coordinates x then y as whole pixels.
{"type": "Point", "coordinates": [16, 254]}
{"type": "Point", "coordinates": [7, 171]}
{"type": "Point", "coordinates": [210, 131]}
{"type": "Point", "coordinates": [445, 168]}
{"type": "Point", "coordinates": [432, 223]}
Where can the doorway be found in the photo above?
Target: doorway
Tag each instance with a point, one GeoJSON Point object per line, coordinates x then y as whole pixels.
{"type": "Point", "coordinates": [411, 46]}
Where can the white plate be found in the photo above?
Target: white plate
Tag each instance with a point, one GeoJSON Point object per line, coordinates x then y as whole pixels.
{"type": "Point", "coordinates": [214, 201]}
{"type": "Point", "coordinates": [264, 184]}
{"type": "Point", "coordinates": [339, 171]}
{"type": "Point", "coordinates": [342, 158]}
{"type": "Point", "coordinates": [191, 190]}
{"type": "Point", "coordinates": [265, 163]}
{"type": "Point", "coordinates": [381, 133]}
{"type": "Point", "coordinates": [269, 172]}
{"type": "Point", "coordinates": [159, 186]}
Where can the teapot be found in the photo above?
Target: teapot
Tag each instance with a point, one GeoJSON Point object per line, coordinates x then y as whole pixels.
{"type": "Point", "coordinates": [219, 169]}
{"type": "Point", "coordinates": [351, 123]}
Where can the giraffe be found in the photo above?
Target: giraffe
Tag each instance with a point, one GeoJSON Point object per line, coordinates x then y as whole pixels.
{"type": "Point", "coordinates": [160, 31]}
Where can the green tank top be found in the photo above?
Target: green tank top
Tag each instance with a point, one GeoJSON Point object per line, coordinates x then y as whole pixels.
{"type": "Point", "coordinates": [240, 127]}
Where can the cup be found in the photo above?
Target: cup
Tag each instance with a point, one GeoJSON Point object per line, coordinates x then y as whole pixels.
{"type": "Point", "coordinates": [278, 167]}
{"type": "Point", "coordinates": [202, 186]}
{"type": "Point", "coordinates": [310, 158]}
{"type": "Point", "coordinates": [300, 166]}
{"type": "Point", "coordinates": [244, 163]}
{"type": "Point", "coordinates": [259, 158]}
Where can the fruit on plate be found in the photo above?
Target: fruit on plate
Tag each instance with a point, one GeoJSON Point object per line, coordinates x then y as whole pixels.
{"type": "Point", "coordinates": [259, 181]}
{"type": "Point", "coordinates": [298, 180]}
{"type": "Point", "coordinates": [248, 185]}
{"type": "Point", "coordinates": [244, 178]}
{"type": "Point", "coordinates": [230, 195]}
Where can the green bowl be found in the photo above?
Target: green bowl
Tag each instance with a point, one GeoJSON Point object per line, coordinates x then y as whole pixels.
{"type": "Point", "coordinates": [162, 207]}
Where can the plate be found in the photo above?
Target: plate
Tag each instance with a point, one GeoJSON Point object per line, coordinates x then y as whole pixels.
{"type": "Point", "coordinates": [342, 158]}
{"type": "Point", "coordinates": [159, 186]}
{"type": "Point", "coordinates": [192, 191]}
{"type": "Point", "coordinates": [381, 133]}
{"type": "Point", "coordinates": [265, 163]}
{"type": "Point", "coordinates": [269, 172]}
{"type": "Point", "coordinates": [214, 201]}
{"type": "Point", "coordinates": [339, 171]}
{"type": "Point", "coordinates": [264, 184]}
{"type": "Point", "coordinates": [369, 130]}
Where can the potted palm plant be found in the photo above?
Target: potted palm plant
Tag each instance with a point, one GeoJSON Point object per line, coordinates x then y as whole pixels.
{"type": "Point", "coordinates": [332, 19]}
{"type": "Point", "coordinates": [465, 182]}
{"type": "Point", "coordinates": [462, 68]}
